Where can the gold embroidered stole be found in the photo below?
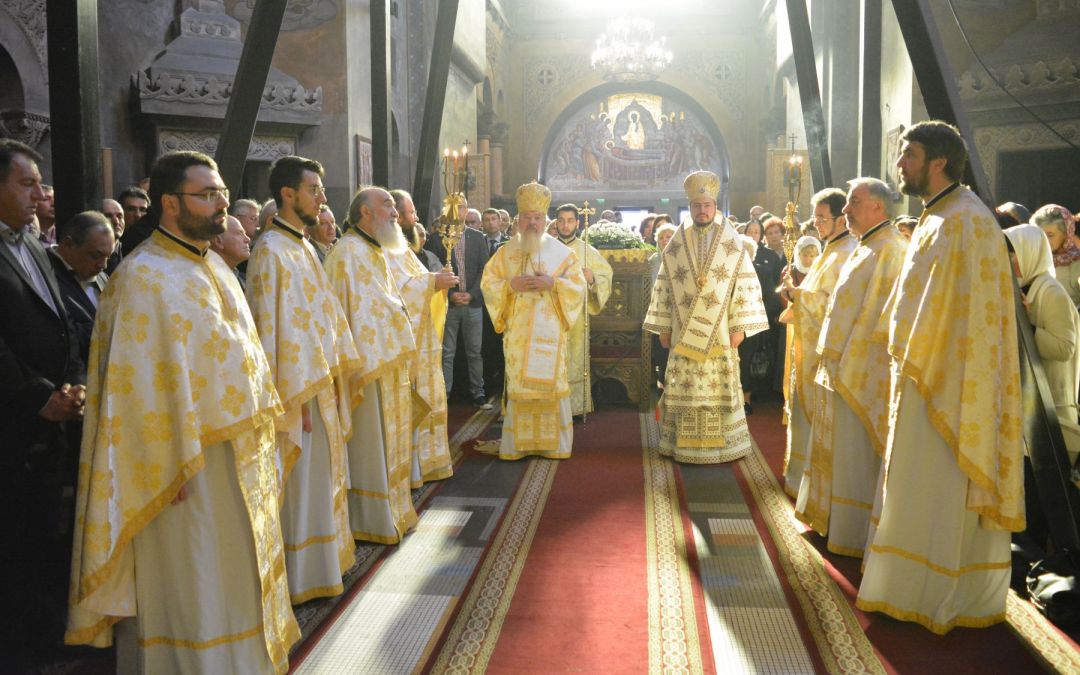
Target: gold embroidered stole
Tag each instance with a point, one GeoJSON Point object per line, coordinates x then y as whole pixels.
{"type": "Point", "coordinates": [701, 286]}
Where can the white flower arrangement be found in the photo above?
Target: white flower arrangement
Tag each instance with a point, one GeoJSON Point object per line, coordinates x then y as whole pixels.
{"type": "Point", "coordinates": [607, 234]}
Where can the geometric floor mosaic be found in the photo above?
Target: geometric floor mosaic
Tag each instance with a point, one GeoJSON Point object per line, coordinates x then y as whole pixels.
{"type": "Point", "coordinates": [751, 628]}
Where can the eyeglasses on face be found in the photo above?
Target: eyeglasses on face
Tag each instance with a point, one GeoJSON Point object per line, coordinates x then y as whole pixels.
{"type": "Point", "coordinates": [316, 190]}
{"type": "Point", "coordinates": [209, 196]}
{"type": "Point", "coordinates": [822, 219]}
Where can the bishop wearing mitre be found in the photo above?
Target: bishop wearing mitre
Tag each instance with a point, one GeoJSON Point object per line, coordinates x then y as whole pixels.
{"type": "Point", "coordinates": [534, 290]}
{"type": "Point", "coordinates": [705, 301]}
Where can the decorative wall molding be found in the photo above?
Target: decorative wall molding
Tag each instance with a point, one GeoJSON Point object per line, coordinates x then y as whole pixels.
{"type": "Point", "coordinates": [30, 16]}
{"type": "Point", "coordinates": [299, 14]}
{"type": "Point", "coordinates": [1039, 76]}
{"type": "Point", "coordinates": [993, 140]}
{"type": "Point", "coordinates": [191, 88]}
{"type": "Point", "coordinates": [26, 127]}
{"type": "Point", "coordinates": [262, 148]}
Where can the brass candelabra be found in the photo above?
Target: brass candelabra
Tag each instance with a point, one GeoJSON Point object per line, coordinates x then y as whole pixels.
{"type": "Point", "coordinates": [451, 225]}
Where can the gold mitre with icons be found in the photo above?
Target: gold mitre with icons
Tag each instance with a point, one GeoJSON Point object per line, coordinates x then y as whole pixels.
{"type": "Point", "coordinates": [702, 184]}
{"type": "Point", "coordinates": [533, 197]}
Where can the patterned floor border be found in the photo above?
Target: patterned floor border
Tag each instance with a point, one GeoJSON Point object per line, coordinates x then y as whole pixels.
{"type": "Point", "coordinates": [1042, 639]}
{"type": "Point", "coordinates": [472, 638]}
{"type": "Point", "coordinates": [312, 614]}
{"type": "Point", "coordinates": [674, 644]}
{"type": "Point", "coordinates": [842, 644]}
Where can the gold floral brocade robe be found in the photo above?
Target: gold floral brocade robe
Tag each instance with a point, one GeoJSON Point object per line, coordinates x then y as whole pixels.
{"type": "Point", "coordinates": [957, 270]}
{"type": "Point", "coordinates": [379, 320]}
{"type": "Point", "coordinates": [851, 362]}
{"type": "Point", "coordinates": [311, 353]}
{"type": "Point", "coordinates": [427, 311]}
{"type": "Point", "coordinates": [536, 327]}
{"type": "Point", "coordinates": [175, 366]}
{"type": "Point", "coordinates": [597, 294]}
{"type": "Point", "coordinates": [705, 291]}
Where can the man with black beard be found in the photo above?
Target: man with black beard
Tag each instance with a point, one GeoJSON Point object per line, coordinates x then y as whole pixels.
{"type": "Point", "coordinates": [179, 455]}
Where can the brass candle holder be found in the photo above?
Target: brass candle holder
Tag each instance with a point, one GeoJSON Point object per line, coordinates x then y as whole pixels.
{"type": "Point", "coordinates": [451, 225]}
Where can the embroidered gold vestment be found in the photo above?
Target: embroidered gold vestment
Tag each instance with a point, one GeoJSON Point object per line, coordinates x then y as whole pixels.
{"type": "Point", "coordinates": [175, 366]}
{"type": "Point", "coordinates": [705, 291]}
{"type": "Point", "coordinates": [536, 328]}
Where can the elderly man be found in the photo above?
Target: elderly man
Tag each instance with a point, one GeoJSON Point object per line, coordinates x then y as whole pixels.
{"type": "Point", "coordinates": [234, 247]}
{"type": "Point", "coordinates": [247, 212]}
{"type": "Point", "coordinates": [323, 233]}
{"type": "Point", "coordinates": [473, 219]}
{"type": "Point", "coordinates": [312, 356]}
{"type": "Point", "coordinates": [805, 315]}
{"type": "Point", "coordinates": [114, 213]}
{"type": "Point", "coordinates": [534, 290]}
{"type": "Point", "coordinates": [79, 259]}
{"type": "Point", "coordinates": [46, 215]}
{"type": "Point", "coordinates": [851, 422]}
{"type": "Point", "coordinates": [705, 301]}
{"type": "Point", "coordinates": [504, 216]}
{"type": "Point", "coordinates": [380, 458]}
{"type": "Point", "coordinates": [267, 213]}
{"type": "Point", "coordinates": [491, 347]}
{"type": "Point", "coordinates": [954, 483]}
{"type": "Point", "coordinates": [178, 456]}
{"type": "Point", "coordinates": [40, 391]}
{"type": "Point", "coordinates": [598, 275]}
{"type": "Point", "coordinates": [424, 296]}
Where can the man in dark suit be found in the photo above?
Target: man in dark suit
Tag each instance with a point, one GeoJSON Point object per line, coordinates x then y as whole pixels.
{"type": "Point", "coordinates": [464, 317]}
{"type": "Point", "coordinates": [41, 388]}
{"type": "Point", "coordinates": [83, 247]}
{"type": "Point", "coordinates": [492, 347]}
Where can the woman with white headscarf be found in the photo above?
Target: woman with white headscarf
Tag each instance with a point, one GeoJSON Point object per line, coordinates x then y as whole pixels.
{"type": "Point", "coordinates": [1060, 229]}
{"type": "Point", "coordinates": [1055, 321]}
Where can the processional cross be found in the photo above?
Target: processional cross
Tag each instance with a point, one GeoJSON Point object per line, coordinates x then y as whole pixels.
{"type": "Point", "coordinates": [586, 211]}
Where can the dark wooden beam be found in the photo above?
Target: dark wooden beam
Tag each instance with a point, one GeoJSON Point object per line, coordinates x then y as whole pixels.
{"type": "Point", "coordinates": [74, 105]}
{"type": "Point", "coordinates": [937, 81]}
{"type": "Point", "coordinates": [870, 90]}
{"type": "Point", "coordinates": [380, 92]}
{"type": "Point", "coordinates": [247, 90]}
{"type": "Point", "coordinates": [434, 102]}
{"type": "Point", "coordinates": [802, 49]}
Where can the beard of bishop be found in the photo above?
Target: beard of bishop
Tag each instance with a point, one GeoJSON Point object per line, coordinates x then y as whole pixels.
{"type": "Point", "coordinates": [529, 242]}
{"type": "Point", "coordinates": [389, 236]}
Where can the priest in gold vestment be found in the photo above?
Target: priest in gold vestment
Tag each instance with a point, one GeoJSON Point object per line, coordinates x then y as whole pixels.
{"type": "Point", "coordinates": [705, 301]}
{"type": "Point", "coordinates": [953, 484]}
{"type": "Point", "coordinates": [380, 450]}
{"type": "Point", "coordinates": [598, 274]}
{"type": "Point", "coordinates": [312, 356]}
{"type": "Point", "coordinates": [424, 294]}
{"type": "Point", "coordinates": [804, 316]}
{"type": "Point", "coordinates": [836, 494]}
{"type": "Point", "coordinates": [534, 290]}
{"type": "Point", "coordinates": [177, 545]}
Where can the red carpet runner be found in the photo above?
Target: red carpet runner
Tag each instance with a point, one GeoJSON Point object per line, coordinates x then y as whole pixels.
{"type": "Point", "coordinates": [581, 603]}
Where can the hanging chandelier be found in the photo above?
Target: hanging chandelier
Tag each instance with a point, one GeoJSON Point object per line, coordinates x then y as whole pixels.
{"type": "Point", "coordinates": [629, 52]}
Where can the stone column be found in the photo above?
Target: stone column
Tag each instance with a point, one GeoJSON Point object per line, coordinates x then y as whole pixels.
{"type": "Point", "coordinates": [496, 168]}
{"type": "Point", "coordinates": [483, 149]}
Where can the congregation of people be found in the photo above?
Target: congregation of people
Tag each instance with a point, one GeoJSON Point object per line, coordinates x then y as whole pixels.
{"type": "Point", "coordinates": [209, 402]}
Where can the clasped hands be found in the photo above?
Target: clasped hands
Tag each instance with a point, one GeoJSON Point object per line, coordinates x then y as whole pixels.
{"type": "Point", "coordinates": [65, 404]}
{"type": "Point", "coordinates": [526, 283]}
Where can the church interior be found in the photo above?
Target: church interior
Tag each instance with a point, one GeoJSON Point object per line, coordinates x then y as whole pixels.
{"type": "Point", "coordinates": [615, 558]}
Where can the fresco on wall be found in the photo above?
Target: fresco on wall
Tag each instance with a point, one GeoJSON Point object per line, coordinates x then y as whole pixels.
{"type": "Point", "coordinates": [630, 141]}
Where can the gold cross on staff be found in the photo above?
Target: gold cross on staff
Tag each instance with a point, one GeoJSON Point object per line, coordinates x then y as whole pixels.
{"type": "Point", "coordinates": [586, 211]}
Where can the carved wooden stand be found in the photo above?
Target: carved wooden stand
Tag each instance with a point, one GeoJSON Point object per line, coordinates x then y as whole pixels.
{"type": "Point", "coordinates": [619, 348]}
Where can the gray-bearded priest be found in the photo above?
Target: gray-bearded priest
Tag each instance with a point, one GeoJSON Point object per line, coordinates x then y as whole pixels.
{"type": "Point", "coordinates": [705, 301]}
